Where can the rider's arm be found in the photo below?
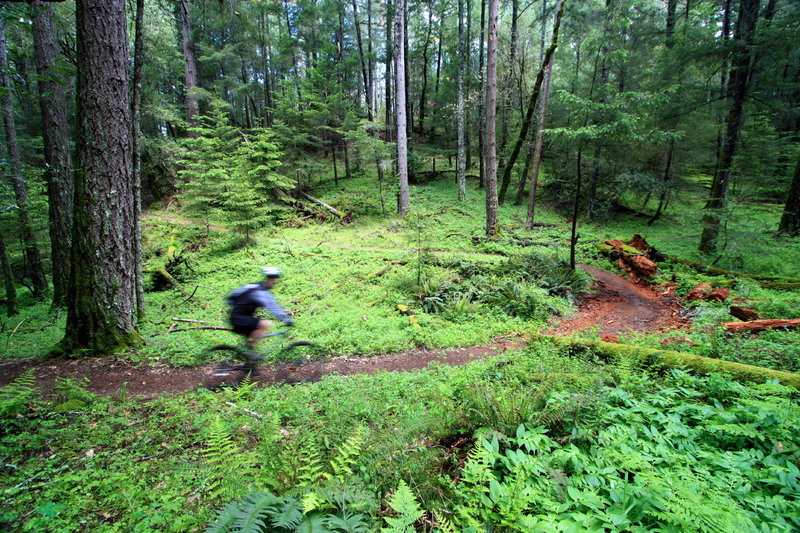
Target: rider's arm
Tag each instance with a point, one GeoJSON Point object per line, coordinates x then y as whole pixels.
{"type": "Point", "coordinates": [266, 300]}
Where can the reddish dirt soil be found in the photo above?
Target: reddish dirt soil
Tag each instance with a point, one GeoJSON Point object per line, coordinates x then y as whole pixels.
{"type": "Point", "coordinates": [619, 306]}
{"type": "Point", "coordinates": [616, 306]}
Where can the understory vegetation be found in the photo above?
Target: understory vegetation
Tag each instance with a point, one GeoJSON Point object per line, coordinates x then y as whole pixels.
{"type": "Point", "coordinates": [531, 440]}
{"type": "Point", "coordinates": [536, 439]}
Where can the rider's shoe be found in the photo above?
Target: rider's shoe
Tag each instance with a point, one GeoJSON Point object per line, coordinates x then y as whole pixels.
{"type": "Point", "coordinates": [252, 356]}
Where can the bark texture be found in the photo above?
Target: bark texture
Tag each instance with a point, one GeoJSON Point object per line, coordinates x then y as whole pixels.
{"type": "Point", "coordinates": [101, 309]}
{"type": "Point", "coordinates": [57, 151]}
{"type": "Point", "coordinates": [8, 280]}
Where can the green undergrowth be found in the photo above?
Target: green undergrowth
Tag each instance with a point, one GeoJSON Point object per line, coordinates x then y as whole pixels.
{"type": "Point", "coordinates": [528, 440]}
{"type": "Point", "coordinates": [344, 281]}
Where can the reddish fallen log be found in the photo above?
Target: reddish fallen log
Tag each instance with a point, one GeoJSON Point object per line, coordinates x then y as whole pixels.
{"type": "Point", "coordinates": [755, 326]}
{"type": "Point", "coordinates": [743, 313]}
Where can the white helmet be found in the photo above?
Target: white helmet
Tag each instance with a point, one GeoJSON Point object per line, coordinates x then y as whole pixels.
{"type": "Point", "coordinates": [271, 272]}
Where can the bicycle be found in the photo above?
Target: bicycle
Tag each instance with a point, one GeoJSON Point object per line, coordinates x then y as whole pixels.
{"type": "Point", "coordinates": [232, 371]}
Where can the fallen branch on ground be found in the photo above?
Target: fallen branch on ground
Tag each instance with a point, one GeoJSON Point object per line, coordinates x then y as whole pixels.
{"type": "Point", "coordinates": [754, 326]}
{"type": "Point", "coordinates": [476, 239]}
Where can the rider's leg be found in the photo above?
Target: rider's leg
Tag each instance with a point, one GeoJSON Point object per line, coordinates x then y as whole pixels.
{"type": "Point", "coordinates": [264, 326]}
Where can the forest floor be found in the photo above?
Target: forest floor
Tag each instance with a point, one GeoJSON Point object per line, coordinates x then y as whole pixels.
{"type": "Point", "coordinates": [616, 306]}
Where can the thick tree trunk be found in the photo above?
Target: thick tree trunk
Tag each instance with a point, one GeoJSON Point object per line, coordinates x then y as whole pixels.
{"type": "Point", "coordinates": [492, 215]}
{"type": "Point", "coordinates": [718, 198]}
{"type": "Point", "coordinates": [400, 108]}
{"type": "Point", "coordinates": [136, 132]}
{"type": "Point", "coordinates": [461, 168]}
{"type": "Point", "coordinates": [57, 150]}
{"type": "Point", "coordinates": [8, 280]}
{"type": "Point", "coordinates": [790, 220]}
{"type": "Point", "coordinates": [189, 64]}
{"type": "Point", "coordinates": [101, 311]}
{"type": "Point", "coordinates": [34, 261]}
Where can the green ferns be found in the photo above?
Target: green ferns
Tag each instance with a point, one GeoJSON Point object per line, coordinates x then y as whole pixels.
{"type": "Point", "coordinates": [15, 397]}
{"type": "Point", "coordinates": [634, 474]}
{"type": "Point", "coordinates": [327, 499]}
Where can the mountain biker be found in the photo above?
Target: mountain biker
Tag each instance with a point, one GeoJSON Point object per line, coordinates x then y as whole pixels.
{"type": "Point", "coordinates": [246, 299]}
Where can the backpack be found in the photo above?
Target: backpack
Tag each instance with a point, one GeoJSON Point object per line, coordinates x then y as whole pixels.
{"type": "Point", "coordinates": [238, 296]}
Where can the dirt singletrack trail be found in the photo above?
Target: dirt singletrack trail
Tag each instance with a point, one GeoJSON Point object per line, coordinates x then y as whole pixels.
{"type": "Point", "coordinates": [616, 306]}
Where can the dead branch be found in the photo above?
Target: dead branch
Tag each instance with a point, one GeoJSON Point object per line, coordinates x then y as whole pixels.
{"type": "Point", "coordinates": [755, 326]}
{"type": "Point", "coordinates": [476, 239]}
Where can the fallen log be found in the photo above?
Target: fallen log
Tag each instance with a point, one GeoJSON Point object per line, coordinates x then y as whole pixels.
{"type": "Point", "coordinates": [743, 313]}
{"type": "Point", "coordinates": [476, 239]}
{"type": "Point", "coordinates": [322, 204]}
{"type": "Point", "coordinates": [173, 283]}
{"type": "Point", "coordinates": [755, 326]}
{"type": "Point", "coordinates": [764, 280]}
{"type": "Point", "coordinates": [670, 359]}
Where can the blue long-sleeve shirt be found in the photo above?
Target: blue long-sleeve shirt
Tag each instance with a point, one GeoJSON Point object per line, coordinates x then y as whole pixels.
{"type": "Point", "coordinates": [252, 296]}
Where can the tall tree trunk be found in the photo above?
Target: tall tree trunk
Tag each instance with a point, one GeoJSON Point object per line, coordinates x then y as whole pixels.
{"type": "Point", "coordinates": [33, 259]}
{"type": "Point", "coordinates": [390, 60]}
{"type": "Point", "coordinates": [371, 62]}
{"type": "Point", "coordinates": [718, 198]}
{"type": "Point", "coordinates": [468, 75]}
{"type": "Point", "coordinates": [57, 150]}
{"type": "Point", "coordinates": [492, 215]}
{"type": "Point", "coordinates": [189, 65]}
{"type": "Point", "coordinates": [790, 220]}
{"type": "Point", "coordinates": [400, 108]}
{"type": "Point", "coordinates": [605, 75]}
{"type": "Point", "coordinates": [461, 162]}
{"type": "Point", "coordinates": [101, 310]}
{"type": "Point", "coordinates": [363, 59]}
{"type": "Point", "coordinates": [482, 102]}
{"type": "Point", "coordinates": [424, 91]}
{"type": "Point", "coordinates": [136, 132]}
{"type": "Point", "coordinates": [537, 156]}
{"type": "Point", "coordinates": [8, 280]}
{"type": "Point", "coordinates": [534, 95]}
{"type": "Point", "coordinates": [508, 96]}
{"type": "Point", "coordinates": [573, 240]}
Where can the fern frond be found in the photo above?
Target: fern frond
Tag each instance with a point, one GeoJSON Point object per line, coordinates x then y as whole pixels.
{"type": "Point", "coordinates": [404, 503]}
{"type": "Point", "coordinates": [15, 396]}
{"type": "Point", "coordinates": [310, 469]}
{"type": "Point", "coordinates": [254, 510]}
{"type": "Point", "coordinates": [225, 519]}
{"type": "Point", "coordinates": [288, 515]}
{"type": "Point", "coordinates": [346, 456]}
{"type": "Point", "coordinates": [312, 524]}
{"type": "Point", "coordinates": [443, 524]}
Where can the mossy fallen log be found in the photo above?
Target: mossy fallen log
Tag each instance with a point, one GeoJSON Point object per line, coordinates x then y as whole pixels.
{"type": "Point", "coordinates": [671, 359]}
{"type": "Point", "coordinates": [765, 281]}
